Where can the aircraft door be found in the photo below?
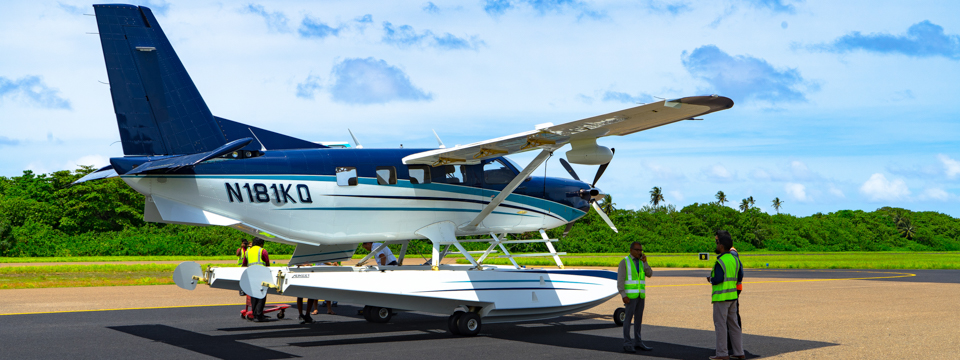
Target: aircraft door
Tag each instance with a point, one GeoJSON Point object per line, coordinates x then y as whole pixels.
{"type": "Point", "coordinates": [496, 175]}
{"type": "Point", "coordinates": [463, 197]}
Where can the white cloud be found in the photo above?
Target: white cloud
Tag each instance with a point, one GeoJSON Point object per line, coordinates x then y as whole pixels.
{"type": "Point", "coordinates": [718, 173]}
{"type": "Point", "coordinates": [676, 197]}
{"type": "Point", "coordinates": [935, 194]}
{"type": "Point", "coordinates": [878, 188]}
{"type": "Point", "coordinates": [951, 166]}
{"type": "Point", "coordinates": [760, 174]}
{"type": "Point", "coordinates": [797, 191]}
{"type": "Point", "coordinates": [836, 191]}
{"type": "Point", "coordinates": [661, 172]}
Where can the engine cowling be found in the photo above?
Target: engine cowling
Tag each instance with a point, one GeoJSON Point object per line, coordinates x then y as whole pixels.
{"type": "Point", "coordinates": [587, 152]}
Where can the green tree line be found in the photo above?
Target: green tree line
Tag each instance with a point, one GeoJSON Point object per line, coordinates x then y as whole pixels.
{"type": "Point", "coordinates": [43, 215]}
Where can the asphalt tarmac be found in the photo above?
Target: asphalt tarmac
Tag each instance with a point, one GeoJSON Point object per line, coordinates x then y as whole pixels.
{"type": "Point", "coordinates": [219, 332]}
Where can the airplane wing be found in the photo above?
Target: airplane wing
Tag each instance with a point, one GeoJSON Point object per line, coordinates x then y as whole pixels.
{"type": "Point", "coordinates": [553, 137]}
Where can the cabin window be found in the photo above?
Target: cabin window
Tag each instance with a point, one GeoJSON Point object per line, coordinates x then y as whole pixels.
{"type": "Point", "coordinates": [347, 176]}
{"type": "Point", "coordinates": [451, 174]}
{"type": "Point", "coordinates": [497, 173]}
{"type": "Point", "coordinates": [419, 174]}
{"type": "Point", "coordinates": [386, 175]}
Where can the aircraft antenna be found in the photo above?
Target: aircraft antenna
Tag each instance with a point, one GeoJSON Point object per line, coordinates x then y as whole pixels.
{"type": "Point", "coordinates": [355, 141]}
{"type": "Point", "coordinates": [262, 148]}
{"type": "Point", "coordinates": [440, 143]}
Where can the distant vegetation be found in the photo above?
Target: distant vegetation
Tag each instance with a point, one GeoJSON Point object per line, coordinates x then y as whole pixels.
{"type": "Point", "coordinates": [41, 215]}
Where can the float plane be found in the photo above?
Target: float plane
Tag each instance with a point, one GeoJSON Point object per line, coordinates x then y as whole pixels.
{"type": "Point", "coordinates": [196, 168]}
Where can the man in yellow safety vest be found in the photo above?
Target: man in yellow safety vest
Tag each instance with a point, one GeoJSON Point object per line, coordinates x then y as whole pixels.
{"type": "Point", "coordinates": [632, 284]}
{"type": "Point", "coordinates": [726, 274]}
{"type": "Point", "coordinates": [257, 255]}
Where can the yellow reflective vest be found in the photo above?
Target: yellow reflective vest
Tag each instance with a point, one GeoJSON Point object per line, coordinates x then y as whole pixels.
{"type": "Point", "coordinates": [256, 259]}
{"type": "Point", "coordinates": [243, 255]}
{"type": "Point", "coordinates": [727, 290]}
{"type": "Point", "coordinates": [635, 284]}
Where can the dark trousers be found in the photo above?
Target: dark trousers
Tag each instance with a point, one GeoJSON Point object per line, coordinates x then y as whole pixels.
{"type": "Point", "coordinates": [257, 305]}
{"type": "Point", "coordinates": [634, 313]}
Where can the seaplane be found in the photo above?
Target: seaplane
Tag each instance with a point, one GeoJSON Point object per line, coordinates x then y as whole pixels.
{"type": "Point", "coordinates": [198, 169]}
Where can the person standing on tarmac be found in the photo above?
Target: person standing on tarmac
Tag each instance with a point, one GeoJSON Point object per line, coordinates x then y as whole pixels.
{"type": "Point", "coordinates": [242, 251]}
{"type": "Point", "coordinates": [631, 283]}
{"type": "Point", "coordinates": [733, 251]}
{"type": "Point", "coordinates": [257, 255]}
{"type": "Point", "coordinates": [727, 272]}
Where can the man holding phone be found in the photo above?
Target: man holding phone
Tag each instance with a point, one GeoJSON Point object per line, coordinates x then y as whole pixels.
{"type": "Point", "coordinates": [631, 283]}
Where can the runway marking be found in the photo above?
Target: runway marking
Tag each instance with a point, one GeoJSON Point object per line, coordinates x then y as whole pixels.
{"type": "Point", "coordinates": [898, 275]}
{"type": "Point", "coordinates": [136, 308]}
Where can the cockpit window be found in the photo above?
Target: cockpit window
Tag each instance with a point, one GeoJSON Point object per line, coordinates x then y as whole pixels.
{"type": "Point", "coordinates": [496, 173]}
{"type": "Point", "coordinates": [514, 163]}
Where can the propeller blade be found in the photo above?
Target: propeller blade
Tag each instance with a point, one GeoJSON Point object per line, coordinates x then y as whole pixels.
{"type": "Point", "coordinates": [567, 166]}
{"type": "Point", "coordinates": [567, 229]}
{"type": "Point", "coordinates": [604, 216]}
{"type": "Point", "coordinates": [601, 170]}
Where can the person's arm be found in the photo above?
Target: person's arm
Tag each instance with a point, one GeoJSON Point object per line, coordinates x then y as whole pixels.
{"type": "Point", "coordinates": [265, 256]}
{"type": "Point", "coordinates": [647, 271]}
{"type": "Point", "coordinates": [740, 272]}
{"type": "Point", "coordinates": [382, 258]}
{"type": "Point", "coordinates": [621, 279]}
{"type": "Point", "coordinates": [718, 274]}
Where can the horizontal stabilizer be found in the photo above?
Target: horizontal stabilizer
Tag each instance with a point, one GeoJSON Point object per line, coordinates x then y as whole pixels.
{"type": "Point", "coordinates": [233, 130]}
{"type": "Point", "coordinates": [105, 172]}
{"type": "Point", "coordinates": [307, 254]}
{"type": "Point", "coordinates": [177, 162]}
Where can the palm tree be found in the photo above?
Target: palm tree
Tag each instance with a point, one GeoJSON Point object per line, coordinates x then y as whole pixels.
{"type": "Point", "coordinates": [777, 204]}
{"type": "Point", "coordinates": [656, 196]}
{"type": "Point", "coordinates": [744, 205]}
{"type": "Point", "coordinates": [907, 230]}
{"type": "Point", "coordinates": [750, 199]}
{"type": "Point", "coordinates": [721, 198]}
{"type": "Point", "coordinates": [607, 204]}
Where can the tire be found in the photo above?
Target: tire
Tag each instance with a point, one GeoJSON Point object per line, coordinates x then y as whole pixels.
{"type": "Point", "coordinates": [380, 315]}
{"type": "Point", "coordinates": [280, 315]}
{"type": "Point", "coordinates": [367, 313]}
{"type": "Point", "coordinates": [619, 316]}
{"type": "Point", "coordinates": [469, 324]}
{"type": "Point", "coordinates": [452, 323]}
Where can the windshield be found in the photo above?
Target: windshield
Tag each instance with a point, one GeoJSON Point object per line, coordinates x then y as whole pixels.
{"type": "Point", "coordinates": [514, 163]}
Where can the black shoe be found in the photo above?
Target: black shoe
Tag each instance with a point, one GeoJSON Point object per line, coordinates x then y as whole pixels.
{"type": "Point", "coordinates": [627, 349]}
{"type": "Point", "coordinates": [302, 320]}
{"type": "Point", "coordinates": [262, 319]}
{"type": "Point", "coordinates": [308, 319]}
{"type": "Point", "coordinates": [641, 346]}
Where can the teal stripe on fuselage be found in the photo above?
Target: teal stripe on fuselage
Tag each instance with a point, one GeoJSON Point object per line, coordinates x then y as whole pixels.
{"type": "Point", "coordinates": [561, 210]}
{"type": "Point", "coordinates": [400, 209]}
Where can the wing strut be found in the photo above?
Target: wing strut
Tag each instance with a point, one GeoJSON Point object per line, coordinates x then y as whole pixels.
{"type": "Point", "coordinates": [509, 188]}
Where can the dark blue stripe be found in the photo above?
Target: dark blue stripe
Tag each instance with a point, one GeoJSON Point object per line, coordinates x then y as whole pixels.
{"type": "Point", "coordinates": [592, 273]}
{"type": "Point", "coordinates": [332, 252]}
{"type": "Point", "coordinates": [434, 198]}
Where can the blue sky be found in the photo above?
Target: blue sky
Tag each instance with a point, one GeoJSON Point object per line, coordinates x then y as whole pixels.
{"type": "Point", "coordinates": [839, 105]}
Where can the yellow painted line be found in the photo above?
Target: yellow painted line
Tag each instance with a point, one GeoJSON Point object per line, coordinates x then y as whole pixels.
{"type": "Point", "coordinates": [899, 275]}
{"type": "Point", "coordinates": [136, 308]}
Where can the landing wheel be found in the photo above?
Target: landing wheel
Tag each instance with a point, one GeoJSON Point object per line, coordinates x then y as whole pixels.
{"type": "Point", "coordinates": [469, 324]}
{"type": "Point", "coordinates": [280, 315]}
{"type": "Point", "coordinates": [452, 323]}
{"type": "Point", "coordinates": [619, 316]}
{"type": "Point", "coordinates": [380, 315]}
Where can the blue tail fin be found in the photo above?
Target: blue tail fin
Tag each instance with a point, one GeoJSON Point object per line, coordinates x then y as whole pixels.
{"type": "Point", "coordinates": [159, 109]}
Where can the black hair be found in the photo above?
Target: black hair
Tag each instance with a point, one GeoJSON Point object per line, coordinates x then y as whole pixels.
{"type": "Point", "coordinates": [243, 240]}
{"type": "Point", "coordinates": [636, 243]}
{"type": "Point", "coordinates": [258, 242]}
{"type": "Point", "coordinates": [724, 238]}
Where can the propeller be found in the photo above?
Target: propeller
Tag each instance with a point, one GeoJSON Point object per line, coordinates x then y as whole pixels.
{"type": "Point", "coordinates": [592, 193]}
